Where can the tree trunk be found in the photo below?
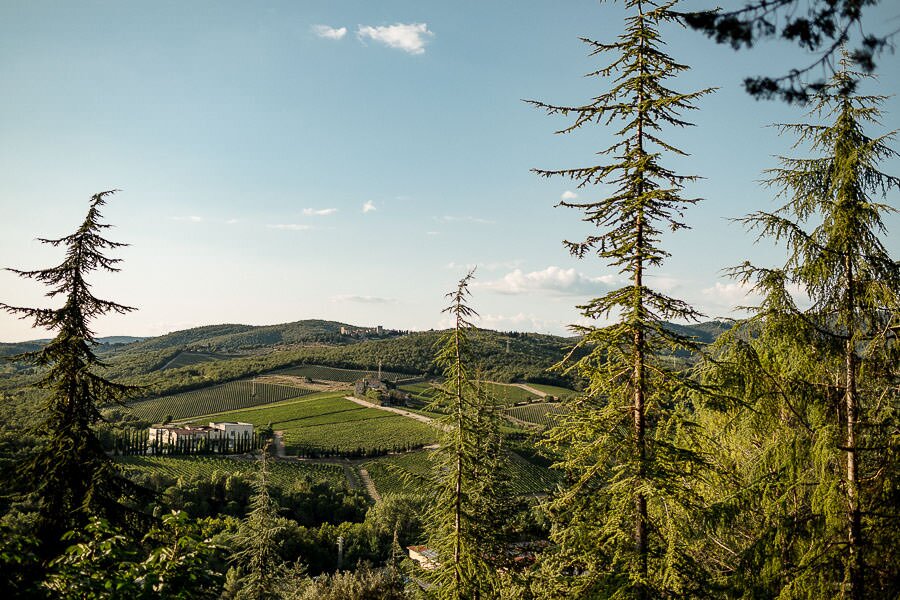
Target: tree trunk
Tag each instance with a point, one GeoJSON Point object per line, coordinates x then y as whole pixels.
{"type": "Point", "coordinates": [639, 425]}
{"type": "Point", "coordinates": [457, 516]}
{"type": "Point", "coordinates": [854, 563]}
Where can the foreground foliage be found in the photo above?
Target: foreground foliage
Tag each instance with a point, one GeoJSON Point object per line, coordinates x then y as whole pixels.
{"type": "Point", "coordinates": [813, 436]}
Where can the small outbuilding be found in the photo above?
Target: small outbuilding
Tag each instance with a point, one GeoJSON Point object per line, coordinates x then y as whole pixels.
{"type": "Point", "coordinates": [424, 556]}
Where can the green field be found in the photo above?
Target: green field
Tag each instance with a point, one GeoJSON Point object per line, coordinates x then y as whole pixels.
{"type": "Point", "coordinates": [421, 394]}
{"type": "Point", "coordinates": [504, 394]}
{"type": "Point", "coordinates": [330, 422]}
{"type": "Point", "coordinates": [555, 391]}
{"type": "Point", "coordinates": [540, 413]}
{"type": "Point", "coordinates": [320, 373]}
{"type": "Point", "coordinates": [404, 473]}
{"type": "Point", "coordinates": [282, 473]}
{"type": "Point", "coordinates": [218, 398]}
{"type": "Point", "coordinates": [507, 395]}
{"type": "Point", "coordinates": [389, 473]}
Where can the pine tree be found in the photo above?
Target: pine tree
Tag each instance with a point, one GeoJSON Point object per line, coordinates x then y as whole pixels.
{"type": "Point", "coordinates": [463, 523]}
{"type": "Point", "coordinates": [615, 526]}
{"type": "Point", "coordinates": [257, 541]}
{"type": "Point", "coordinates": [827, 375]}
{"type": "Point", "coordinates": [70, 475]}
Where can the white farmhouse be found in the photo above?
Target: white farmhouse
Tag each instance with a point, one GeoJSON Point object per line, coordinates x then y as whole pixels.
{"type": "Point", "coordinates": [233, 430]}
{"type": "Point", "coordinates": [227, 432]}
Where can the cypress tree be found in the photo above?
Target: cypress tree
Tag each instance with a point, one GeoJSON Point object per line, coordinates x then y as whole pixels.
{"type": "Point", "coordinates": [615, 526]}
{"type": "Point", "coordinates": [822, 381]}
{"type": "Point", "coordinates": [70, 475]}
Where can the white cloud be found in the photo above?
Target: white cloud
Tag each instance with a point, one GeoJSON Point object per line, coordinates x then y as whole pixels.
{"type": "Point", "coordinates": [409, 37]}
{"type": "Point", "coordinates": [432, 233]}
{"type": "Point", "coordinates": [191, 219]}
{"type": "Point", "coordinates": [232, 221]}
{"type": "Point", "coordinates": [554, 280]}
{"type": "Point", "coordinates": [727, 293]}
{"type": "Point", "coordinates": [568, 195]}
{"type": "Point", "coordinates": [329, 33]}
{"type": "Point", "coordinates": [369, 206]}
{"type": "Point", "coordinates": [665, 283]}
{"type": "Point", "coordinates": [289, 226]}
{"type": "Point", "coordinates": [363, 299]}
{"type": "Point", "coordinates": [318, 212]}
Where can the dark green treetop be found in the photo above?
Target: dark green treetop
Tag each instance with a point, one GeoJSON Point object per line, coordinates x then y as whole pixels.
{"type": "Point", "coordinates": [821, 27]}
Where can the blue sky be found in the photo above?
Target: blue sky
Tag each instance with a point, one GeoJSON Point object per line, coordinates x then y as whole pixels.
{"type": "Point", "coordinates": [349, 160]}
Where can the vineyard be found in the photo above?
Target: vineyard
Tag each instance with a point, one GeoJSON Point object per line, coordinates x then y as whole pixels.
{"type": "Point", "coordinates": [544, 414]}
{"type": "Point", "coordinates": [407, 473]}
{"type": "Point", "coordinates": [402, 473]}
{"type": "Point", "coordinates": [507, 395]}
{"type": "Point", "coordinates": [333, 425]}
{"type": "Point", "coordinates": [282, 473]}
{"type": "Point", "coordinates": [557, 392]}
{"type": "Point", "coordinates": [321, 373]}
{"type": "Point", "coordinates": [504, 394]}
{"type": "Point", "coordinates": [218, 398]}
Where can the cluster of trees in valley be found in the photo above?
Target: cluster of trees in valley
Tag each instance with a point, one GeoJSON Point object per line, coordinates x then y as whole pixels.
{"type": "Point", "coordinates": [754, 459]}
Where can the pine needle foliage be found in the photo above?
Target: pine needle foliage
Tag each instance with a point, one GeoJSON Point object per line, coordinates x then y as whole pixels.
{"type": "Point", "coordinates": [70, 474]}
{"type": "Point", "coordinates": [819, 387]}
{"type": "Point", "coordinates": [465, 521]}
{"type": "Point", "coordinates": [257, 542]}
{"type": "Point", "coordinates": [616, 525]}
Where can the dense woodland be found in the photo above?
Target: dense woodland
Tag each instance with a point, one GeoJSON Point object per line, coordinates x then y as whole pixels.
{"type": "Point", "coordinates": [752, 459]}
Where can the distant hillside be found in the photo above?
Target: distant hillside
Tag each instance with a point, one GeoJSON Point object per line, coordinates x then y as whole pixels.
{"type": "Point", "coordinates": [19, 348]}
{"type": "Point", "coordinates": [705, 333]}
{"type": "Point", "coordinates": [206, 355]}
{"type": "Point", "coordinates": [120, 339]}
{"type": "Point", "coordinates": [232, 338]}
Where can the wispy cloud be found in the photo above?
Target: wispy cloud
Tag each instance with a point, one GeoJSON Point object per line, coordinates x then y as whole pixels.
{"type": "Point", "coordinates": [290, 226]}
{"type": "Point", "coordinates": [723, 298]}
{"type": "Point", "coordinates": [553, 280]}
{"type": "Point", "coordinates": [363, 299]}
{"type": "Point", "coordinates": [369, 206]}
{"type": "Point", "coordinates": [329, 33]}
{"type": "Point", "coordinates": [568, 195]}
{"type": "Point", "coordinates": [318, 212]}
{"type": "Point", "coordinates": [453, 219]}
{"type": "Point", "coordinates": [190, 219]}
{"type": "Point", "coordinates": [409, 37]}
{"type": "Point", "coordinates": [232, 221]}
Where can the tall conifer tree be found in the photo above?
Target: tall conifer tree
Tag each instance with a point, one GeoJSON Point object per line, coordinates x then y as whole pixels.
{"type": "Point", "coordinates": [71, 475]}
{"type": "Point", "coordinates": [464, 522]}
{"type": "Point", "coordinates": [256, 542]}
{"type": "Point", "coordinates": [615, 524]}
{"type": "Point", "coordinates": [828, 376]}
